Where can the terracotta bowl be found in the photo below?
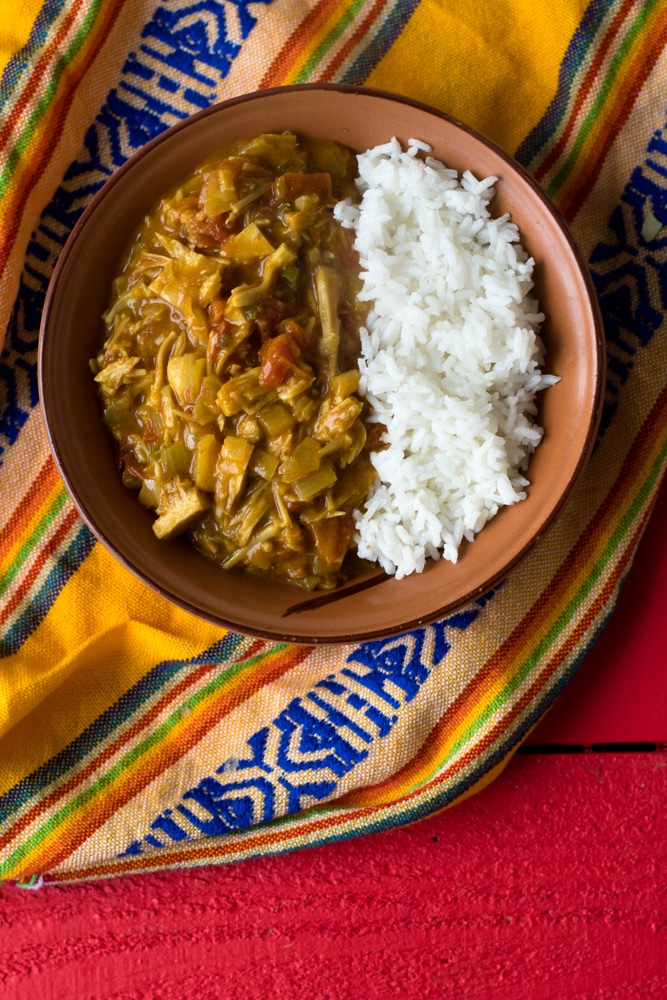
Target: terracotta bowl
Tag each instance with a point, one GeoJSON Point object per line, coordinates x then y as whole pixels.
{"type": "Point", "coordinates": [373, 605]}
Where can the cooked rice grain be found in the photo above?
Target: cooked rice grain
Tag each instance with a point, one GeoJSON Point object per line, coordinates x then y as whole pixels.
{"type": "Point", "coordinates": [451, 357]}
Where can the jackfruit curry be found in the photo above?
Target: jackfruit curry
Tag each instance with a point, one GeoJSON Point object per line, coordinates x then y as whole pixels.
{"type": "Point", "coordinates": [229, 376]}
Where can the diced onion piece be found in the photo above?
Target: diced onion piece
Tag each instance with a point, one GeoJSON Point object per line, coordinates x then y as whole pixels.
{"type": "Point", "coordinates": [317, 482]}
{"type": "Point", "coordinates": [206, 457]}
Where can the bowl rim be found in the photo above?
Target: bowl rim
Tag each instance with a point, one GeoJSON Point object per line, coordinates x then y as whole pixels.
{"type": "Point", "coordinates": [284, 633]}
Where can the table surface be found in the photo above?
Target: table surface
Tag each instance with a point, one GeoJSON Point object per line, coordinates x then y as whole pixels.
{"type": "Point", "coordinates": [549, 885]}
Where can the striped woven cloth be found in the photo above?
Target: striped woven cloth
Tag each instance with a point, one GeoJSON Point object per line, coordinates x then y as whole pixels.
{"type": "Point", "coordinates": [135, 737]}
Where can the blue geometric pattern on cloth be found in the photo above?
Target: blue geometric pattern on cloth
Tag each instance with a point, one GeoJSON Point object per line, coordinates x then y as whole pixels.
{"type": "Point", "coordinates": [630, 274]}
{"type": "Point", "coordinates": [311, 744]}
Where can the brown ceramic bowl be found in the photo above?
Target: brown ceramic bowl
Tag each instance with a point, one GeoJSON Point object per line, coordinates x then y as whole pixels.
{"type": "Point", "coordinates": [371, 606]}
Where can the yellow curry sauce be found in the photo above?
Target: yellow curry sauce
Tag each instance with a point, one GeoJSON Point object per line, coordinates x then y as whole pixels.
{"type": "Point", "coordinates": [229, 373]}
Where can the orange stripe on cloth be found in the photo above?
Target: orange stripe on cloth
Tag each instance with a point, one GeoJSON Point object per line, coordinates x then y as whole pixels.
{"type": "Point", "coordinates": [314, 27]}
{"type": "Point", "coordinates": [148, 717]}
{"type": "Point", "coordinates": [571, 192]}
{"type": "Point", "coordinates": [27, 174]}
{"type": "Point", "coordinates": [354, 39]}
{"type": "Point", "coordinates": [583, 91]}
{"type": "Point", "coordinates": [38, 496]}
{"type": "Point", "coordinates": [37, 564]}
{"type": "Point", "coordinates": [40, 72]}
{"type": "Point", "coordinates": [110, 751]}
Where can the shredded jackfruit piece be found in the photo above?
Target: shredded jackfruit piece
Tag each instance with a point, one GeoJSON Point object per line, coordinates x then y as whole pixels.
{"type": "Point", "coordinates": [185, 374]}
{"type": "Point", "coordinates": [117, 373]}
{"type": "Point", "coordinates": [180, 503]}
{"type": "Point", "coordinates": [247, 295]}
{"type": "Point", "coordinates": [328, 286]}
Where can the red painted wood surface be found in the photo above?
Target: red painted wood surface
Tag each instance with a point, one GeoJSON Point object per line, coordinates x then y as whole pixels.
{"type": "Point", "coordinates": [550, 885]}
{"type": "Point", "coordinates": [620, 693]}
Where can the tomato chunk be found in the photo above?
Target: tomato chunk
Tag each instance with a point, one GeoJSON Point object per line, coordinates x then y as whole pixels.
{"type": "Point", "coordinates": [290, 186]}
{"type": "Point", "coordinates": [277, 358]}
{"type": "Point", "coordinates": [332, 537]}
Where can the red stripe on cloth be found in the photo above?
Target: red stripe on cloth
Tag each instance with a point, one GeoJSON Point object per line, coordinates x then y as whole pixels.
{"type": "Point", "coordinates": [354, 40]}
{"type": "Point", "coordinates": [148, 717]}
{"type": "Point", "coordinates": [36, 566]}
{"type": "Point", "coordinates": [585, 88]}
{"type": "Point", "coordinates": [639, 72]}
{"type": "Point", "coordinates": [309, 27]}
{"type": "Point", "coordinates": [43, 483]}
{"type": "Point", "coordinates": [36, 80]}
{"type": "Point", "coordinates": [43, 150]}
{"type": "Point", "coordinates": [50, 800]}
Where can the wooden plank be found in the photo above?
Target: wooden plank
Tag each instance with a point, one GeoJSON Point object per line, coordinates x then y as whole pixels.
{"type": "Point", "coordinates": [620, 692]}
{"type": "Point", "coordinates": [549, 884]}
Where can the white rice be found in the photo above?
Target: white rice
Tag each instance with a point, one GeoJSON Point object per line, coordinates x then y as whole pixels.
{"type": "Point", "coordinates": [450, 358]}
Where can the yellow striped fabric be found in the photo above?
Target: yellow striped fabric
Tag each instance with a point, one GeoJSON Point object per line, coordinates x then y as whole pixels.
{"type": "Point", "coordinates": [134, 736]}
